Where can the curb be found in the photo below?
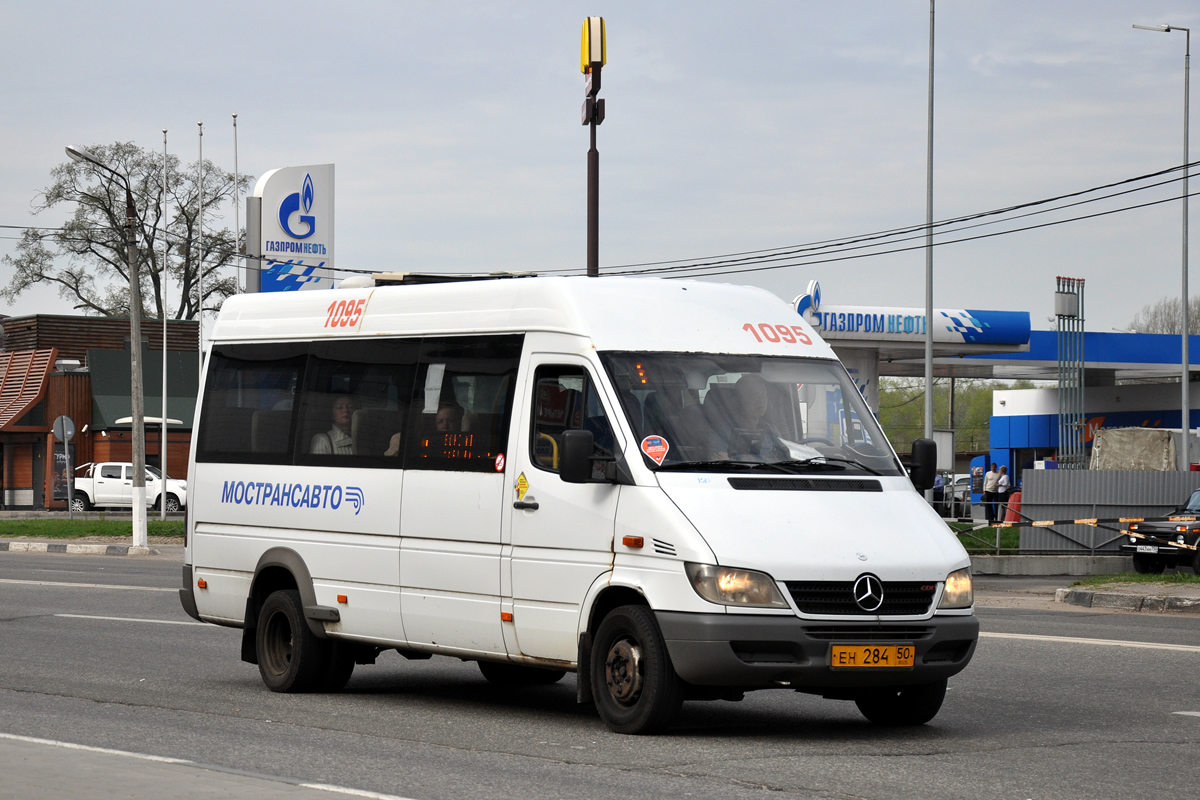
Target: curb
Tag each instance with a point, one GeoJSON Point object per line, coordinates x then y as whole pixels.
{"type": "Point", "coordinates": [79, 549]}
{"type": "Point", "coordinates": [1128, 602]}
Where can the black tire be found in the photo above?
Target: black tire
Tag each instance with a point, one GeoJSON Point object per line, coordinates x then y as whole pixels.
{"type": "Point", "coordinates": [519, 674]}
{"type": "Point", "coordinates": [903, 705]}
{"type": "Point", "coordinates": [81, 502]}
{"type": "Point", "coordinates": [290, 657]}
{"type": "Point", "coordinates": [1146, 565]}
{"type": "Point", "coordinates": [172, 504]}
{"type": "Point", "coordinates": [339, 665]}
{"type": "Point", "coordinates": [1196, 563]}
{"type": "Point", "coordinates": [633, 681]}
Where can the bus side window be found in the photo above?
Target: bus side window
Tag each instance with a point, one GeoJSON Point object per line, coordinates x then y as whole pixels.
{"type": "Point", "coordinates": [355, 401]}
{"type": "Point", "coordinates": [461, 404]}
{"type": "Point", "coordinates": [565, 399]}
{"type": "Point", "coordinates": [247, 410]}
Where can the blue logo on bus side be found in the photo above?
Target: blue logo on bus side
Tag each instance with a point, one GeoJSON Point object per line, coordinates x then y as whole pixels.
{"type": "Point", "coordinates": [291, 204]}
{"type": "Point", "coordinates": [296, 495]}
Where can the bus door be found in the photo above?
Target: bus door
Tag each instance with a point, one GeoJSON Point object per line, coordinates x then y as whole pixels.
{"type": "Point", "coordinates": [562, 533]}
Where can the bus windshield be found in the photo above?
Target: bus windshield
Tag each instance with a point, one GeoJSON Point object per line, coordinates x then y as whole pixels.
{"type": "Point", "coordinates": [707, 412]}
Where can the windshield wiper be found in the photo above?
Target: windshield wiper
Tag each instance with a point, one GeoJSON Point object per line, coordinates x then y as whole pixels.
{"type": "Point", "coordinates": [839, 463]}
{"type": "Point", "coordinates": [727, 465]}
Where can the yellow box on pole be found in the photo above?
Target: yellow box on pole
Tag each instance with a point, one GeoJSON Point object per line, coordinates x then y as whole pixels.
{"type": "Point", "coordinates": [592, 46]}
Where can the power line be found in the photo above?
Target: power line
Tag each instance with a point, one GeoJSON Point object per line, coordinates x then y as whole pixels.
{"type": "Point", "coordinates": [820, 252]}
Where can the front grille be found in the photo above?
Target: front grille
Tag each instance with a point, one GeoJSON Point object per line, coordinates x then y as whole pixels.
{"type": "Point", "coordinates": [900, 598]}
{"type": "Point", "coordinates": [873, 633]}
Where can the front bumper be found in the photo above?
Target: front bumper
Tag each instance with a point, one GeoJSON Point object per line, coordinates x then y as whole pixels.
{"type": "Point", "coordinates": [742, 651]}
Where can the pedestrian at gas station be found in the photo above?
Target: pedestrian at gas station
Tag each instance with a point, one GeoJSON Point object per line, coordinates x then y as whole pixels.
{"type": "Point", "coordinates": [991, 482]}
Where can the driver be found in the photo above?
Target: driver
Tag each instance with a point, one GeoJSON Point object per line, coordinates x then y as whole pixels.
{"type": "Point", "coordinates": [749, 434]}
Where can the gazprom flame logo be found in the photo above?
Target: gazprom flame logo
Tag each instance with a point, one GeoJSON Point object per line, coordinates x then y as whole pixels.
{"type": "Point", "coordinates": [291, 205]}
{"type": "Point", "coordinates": [810, 301]}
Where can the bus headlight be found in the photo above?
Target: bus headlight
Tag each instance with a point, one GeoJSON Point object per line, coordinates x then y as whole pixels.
{"type": "Point", "coordinates": [958, 592]}
{"type": "Point", "coordinates": [734, 587]}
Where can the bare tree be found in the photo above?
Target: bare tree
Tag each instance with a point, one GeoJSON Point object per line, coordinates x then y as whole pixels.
{"type": "Point", "coordinates": [1166, 316]}
{"type": "Point", "coordinates": [86, 258]}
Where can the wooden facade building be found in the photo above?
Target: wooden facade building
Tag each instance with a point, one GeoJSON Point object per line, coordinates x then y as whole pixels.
{"type": "Point", "coordinates": [79, 367]}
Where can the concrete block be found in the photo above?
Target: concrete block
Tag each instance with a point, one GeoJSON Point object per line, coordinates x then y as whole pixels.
{"type": "Point", "coordinates": [1079, 565]}
{"type": "Point", "coordinates": [1154, 604]}
{"type": "Point", "coordinates": [1188, 605]}
{"type": "Point", "coordinates": [1079, 597]}
{"type": "Point", "coordinates": [1126, 602]}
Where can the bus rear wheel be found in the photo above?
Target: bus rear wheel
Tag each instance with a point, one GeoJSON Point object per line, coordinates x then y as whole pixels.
{"type": "Point", "coordinates": [290, 657]}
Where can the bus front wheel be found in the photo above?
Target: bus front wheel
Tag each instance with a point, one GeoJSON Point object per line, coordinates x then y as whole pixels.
{"type": "Point", "coordinates": [633, 681]}
{"type": "Point", "coordinates": [903, 705]}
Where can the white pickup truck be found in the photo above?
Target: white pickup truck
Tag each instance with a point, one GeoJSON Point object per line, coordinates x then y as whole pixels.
{"type": "Point", "coordinates": [110, 484]}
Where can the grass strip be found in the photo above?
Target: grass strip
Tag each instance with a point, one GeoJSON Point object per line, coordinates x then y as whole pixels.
{"type": "Point", "coordinates": [79, 528]}
{"type": "Point", "coordinates": [1175, 578]}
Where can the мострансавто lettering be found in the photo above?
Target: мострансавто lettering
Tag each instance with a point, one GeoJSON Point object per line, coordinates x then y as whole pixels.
{"type": "Point", "coordinates": [296, 495]}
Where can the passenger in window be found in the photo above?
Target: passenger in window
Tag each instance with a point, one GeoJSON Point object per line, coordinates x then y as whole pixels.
{"type": "Point", "coordinates": [449, 418]}
{"type": "Point", "coordinates": [336, 441]}
{"type": "Point", "coordinates": [749, 436]}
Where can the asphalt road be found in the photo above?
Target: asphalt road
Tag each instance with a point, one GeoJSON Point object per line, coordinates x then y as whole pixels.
{"type": "Point", "coordinates": [96, 652]}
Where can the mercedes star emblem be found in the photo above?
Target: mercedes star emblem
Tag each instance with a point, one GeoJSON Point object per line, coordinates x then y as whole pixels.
{"type": "Point", "coordinates": [868, 593]}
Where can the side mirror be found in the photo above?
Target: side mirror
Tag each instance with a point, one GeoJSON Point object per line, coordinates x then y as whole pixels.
{"type": "Point", "coordinates": [575, 457]}
{"type": "Point", "coordinates": [923, 465]}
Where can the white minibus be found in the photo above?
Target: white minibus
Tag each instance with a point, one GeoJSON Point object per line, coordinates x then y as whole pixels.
{"type": "Point", "coordinates": [671, 488]}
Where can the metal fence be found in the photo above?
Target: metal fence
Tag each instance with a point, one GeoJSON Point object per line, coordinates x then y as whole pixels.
{"type": "Point", "coordinates": [1092, 494]}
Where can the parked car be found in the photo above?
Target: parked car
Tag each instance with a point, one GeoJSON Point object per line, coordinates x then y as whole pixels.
{"type": "Point", "coordinates": [962, 489]}
{"type": "Point", "coordinates": [110, 485]}
{"type": "Point", "coordinates": [1161, 544]}
{"type": "Point", "coordinates": [954, 499]}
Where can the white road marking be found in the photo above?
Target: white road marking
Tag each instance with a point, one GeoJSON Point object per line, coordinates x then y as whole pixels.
{"type": "Point", "coordinates": [135, 619]}
{"type": "Point", "coordinates": [352, 792]}
{"type": "Point", "coordinates": [89, 585]}
{"type": "Point", "coordinates": [1186, 648]}
{"type": "Point", "coordinates": [107, 751]}
{"type": "Point", "coordinates": [322, 787]}
{"type": "Point", "coordinates": [1187, 713]}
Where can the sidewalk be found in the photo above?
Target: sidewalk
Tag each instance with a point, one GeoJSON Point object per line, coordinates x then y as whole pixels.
{"type": "Point", "coordinates": [1048, 592]}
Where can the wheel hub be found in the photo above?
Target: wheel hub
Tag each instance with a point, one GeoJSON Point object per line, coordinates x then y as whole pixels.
{"type": "Point", "coordinates": [623, 671]}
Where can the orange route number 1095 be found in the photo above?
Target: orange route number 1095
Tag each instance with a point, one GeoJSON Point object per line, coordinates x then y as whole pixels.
{"type": "Point", "coordinates": [345, 313]}
{"type": "Point", "coordinates": [766, 332]}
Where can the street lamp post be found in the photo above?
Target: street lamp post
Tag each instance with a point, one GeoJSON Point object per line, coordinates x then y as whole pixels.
{"type": "Point", "coordinates": [1185, 357]}
{"type": "Point", "coordinates": [592, 58]}
{"type": "Point", "coordinates": [135, 348]}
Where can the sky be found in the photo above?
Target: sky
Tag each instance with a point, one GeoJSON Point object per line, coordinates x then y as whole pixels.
{"type": "Point", "coordinates": [730, 127]}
